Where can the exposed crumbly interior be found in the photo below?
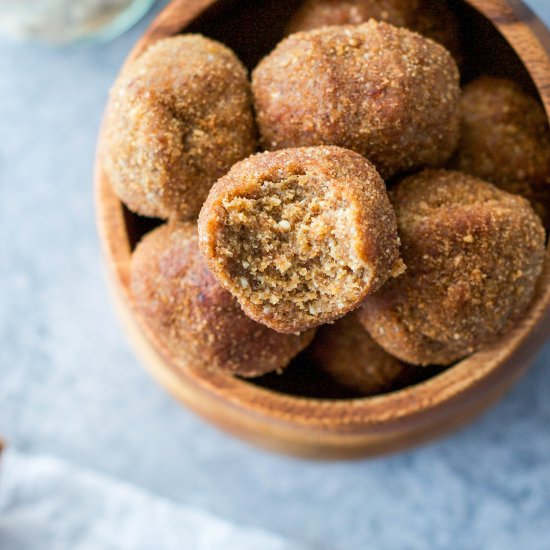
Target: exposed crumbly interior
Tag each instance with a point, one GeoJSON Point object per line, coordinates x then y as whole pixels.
{"type": "Point", "coordinates": [300, 236]}
{"type": "Point", "coordinates": [198, 320]}
{"type": "Point", "coordinates": [291, 245]}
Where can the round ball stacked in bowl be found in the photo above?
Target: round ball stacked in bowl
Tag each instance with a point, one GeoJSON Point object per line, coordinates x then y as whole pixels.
{"type": "Point", "coordinates": [305, 233]}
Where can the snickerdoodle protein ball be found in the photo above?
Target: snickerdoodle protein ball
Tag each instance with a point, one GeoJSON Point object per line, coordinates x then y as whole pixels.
{"type": "Point", "coordinates": [199, 321]}
{"type": "Point", "coordinates": [300, 236]}
{"type": "Point", "coordinates": [352, 358]}
{"type": "Point", "coordinates": [505, 137]}
{"type": "Point", "coordinates": [473, 254]}
{"type": "Point", "coordinates": [431, 18]}
{"type": "Point", "coordinates": [179, 117]}
{"type": "Point", "coordinates": [384, 92]}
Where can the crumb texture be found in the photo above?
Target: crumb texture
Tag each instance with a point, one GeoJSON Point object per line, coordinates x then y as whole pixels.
{"type": "Point", "coordinates": [198, 320]}
{"type": "Point", "coordinates": [473, 255]}
{"type": "Point", "coordinates": [288, 234]}
{"type": "Point", "coordinates": [179, 116]}
{"type": "Point", "coordinates": [384, 92]}
{"type": "Point", "coordinates": [304, 238]}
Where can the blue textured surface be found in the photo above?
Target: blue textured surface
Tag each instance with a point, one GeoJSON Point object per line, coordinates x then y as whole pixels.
{"type": "Point", "coordinates": [71, 387]}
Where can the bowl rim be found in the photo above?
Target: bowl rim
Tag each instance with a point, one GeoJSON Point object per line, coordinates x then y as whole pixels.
{"type": "Point", "coordinates": [482, 374]}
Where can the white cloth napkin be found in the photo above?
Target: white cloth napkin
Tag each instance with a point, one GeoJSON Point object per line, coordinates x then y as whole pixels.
{"type": "Point", "coordinates": [47, 504]}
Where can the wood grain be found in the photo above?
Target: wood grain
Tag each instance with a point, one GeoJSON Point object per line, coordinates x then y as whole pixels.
{"type": "Point", "coordinates": [333, 428]}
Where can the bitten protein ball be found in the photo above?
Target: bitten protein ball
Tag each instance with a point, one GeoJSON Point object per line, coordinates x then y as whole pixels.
{"type": "Point", "coordinates": [179, 117]}
{"type": "Point", "coordinates": [351, 357]}
{"type": "Point", "coordinates": [384, 92]}
{"type": "Point", "coordinates": [300, 236]}
{"type": "Point", "coordinates": [505, 137]}
{"type": "Point", "coordinates": [194, 316]}
{"type": "Point", "coordinates": [431, 18]}
{"type": "Point", "coordinates": [473, 254]}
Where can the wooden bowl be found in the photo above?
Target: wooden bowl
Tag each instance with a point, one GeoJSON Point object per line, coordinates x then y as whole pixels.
{"type": "Point", "coordinates": [508, 40]}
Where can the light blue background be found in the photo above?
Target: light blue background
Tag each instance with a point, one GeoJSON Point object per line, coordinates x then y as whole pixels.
{"type": "Point", "coordinates": [71, 387]}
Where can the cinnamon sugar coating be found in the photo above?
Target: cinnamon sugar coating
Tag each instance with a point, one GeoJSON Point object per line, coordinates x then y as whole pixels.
{"type": "Point", "coordinates": [194, 316]}
{"type": "Point", "coordinates": [384, 92]}
{"type": "Point", "coordinates": [179, 116]}
{"type": "Point", "coordinates": [431, 18]}
{"type": "Point", "coordinates": [351, 357]}
{"type": "Point", "coordinates": [300, 236]}
{"type": "Point", "coordinates": [538, 194]}
{"type": "Point", "coordinates": [505, 137]}
{"type": "Point", "coordinates": [473, 254]}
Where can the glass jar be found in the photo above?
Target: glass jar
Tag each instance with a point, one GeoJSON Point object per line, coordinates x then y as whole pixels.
{"type": "Point", "coordinates": [64, 21]}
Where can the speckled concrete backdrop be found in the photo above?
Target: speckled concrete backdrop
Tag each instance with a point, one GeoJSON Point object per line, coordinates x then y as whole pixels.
{"type": "Point", "coordinates": [70, 386]}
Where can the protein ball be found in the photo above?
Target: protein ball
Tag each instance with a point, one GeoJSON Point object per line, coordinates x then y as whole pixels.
{"type": "Point", "coordinates": [352, 358]}
{"type": "Point", "coordinates": [179, 116]}
{"type": "Point", "coordinates": [194, 316]}
{"type": "Point", "coordinates": [384, 92]}
{"type": "Point", "coordinates": [431, 18]}
{"type": "Point", "coordinates": [300, 236]}
{"type": "Point", "coordinates": [473, 254]}
{"type": "Point", "coordinates": [537, 194]}
{"type": "Point", "coordinates": [505, 139]}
